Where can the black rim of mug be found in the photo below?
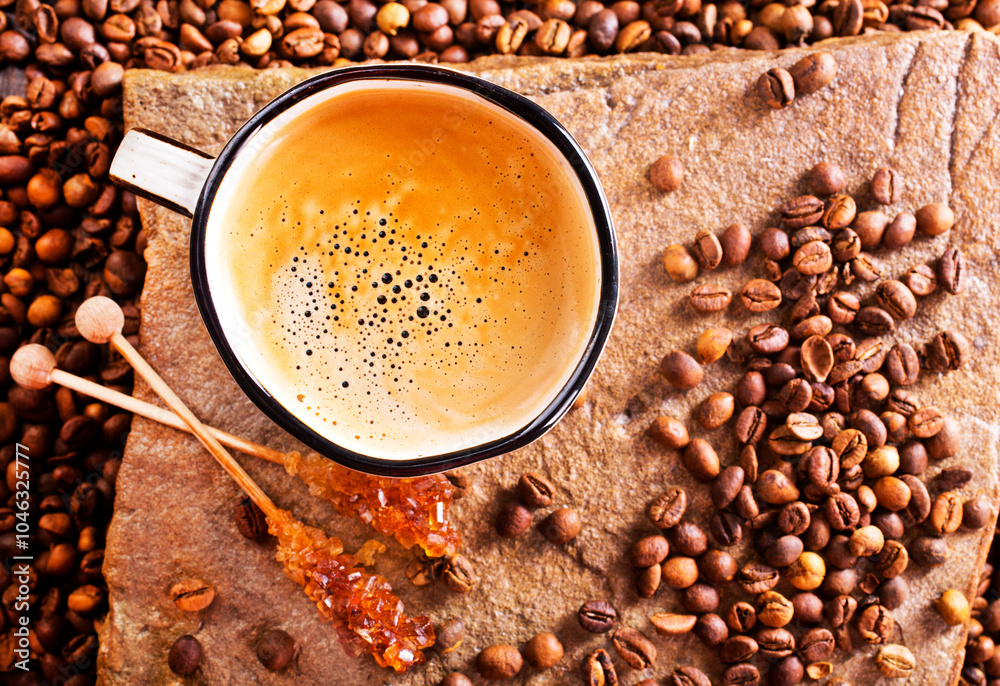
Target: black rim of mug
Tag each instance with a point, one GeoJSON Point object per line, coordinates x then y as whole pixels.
{"type": "Point", "coordinates": [522, 108]}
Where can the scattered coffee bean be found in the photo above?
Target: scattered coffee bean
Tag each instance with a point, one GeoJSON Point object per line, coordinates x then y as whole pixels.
{"type": "Point", "coordinates": [513, 520]}
{"type": "Point", "coordinates": [597, 669]}
{"type": "Point", "coordinates": [534, 490]}
{"type": "Point", "coordinates": [450, 635]}
{"type": "Point", "coordinates": [667, 509]}
{"type": "Point", "coordinates": [776, 88]}
{"type": "Point", "coordinates": [649, 551]}
{"type": "Point", "coordinates": [597, 616]}
{"type": "Point", "coordinates": [813, 72]}
{"type": "Point", "coordinates": [498, 662]}
{"type": "Point", "coordinates": [712, 345]}
{"type": "Point", "coordinates": [562, 525]}
{"type": "Point", "coordinates": [184, 656]}
{"type": "Point", "coordinates": [934, 219]}
{"type": "Point", "coordinates": [681, 370]}
{"type": "Point", "coordinates": [667, 174]}
{"type": "Point", "coordinates": [951, 271]}
{"type": "Point", "coordinates": [637, 651]}
{"type": "Point", "coordinates": [543, 651]}
{"type": "Point", "coordinates": [735, 241]}
{"type": "Point", "coordinates": [895, 661]}
{"type": "Point", "coordinates": [710, 298]}
{"type": "Point", "coordinates": [671, 624]}
{"type": "Point", "coordinates": [701, 460]}
{"type": "Point", "coordinates": [192, 595]}
{"type": "Point", "coordinates": [275, 649]}
{"type": "Point", "coordinates": [679, 263]}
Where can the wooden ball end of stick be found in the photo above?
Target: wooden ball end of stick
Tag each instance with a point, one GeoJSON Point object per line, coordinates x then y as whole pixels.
{"type": "Point", "coordinates": [31, 366]}
{"type": "Point", "coordinates": [98, 318]}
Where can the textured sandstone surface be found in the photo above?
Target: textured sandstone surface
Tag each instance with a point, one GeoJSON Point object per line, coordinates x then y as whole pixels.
{"type": "Point", "coordinates": [926, 104]}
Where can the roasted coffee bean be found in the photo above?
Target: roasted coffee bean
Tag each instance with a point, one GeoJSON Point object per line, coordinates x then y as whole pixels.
{"type": "Point", "coordinates": [773, 609]}
{"type": "Point", "coordinates": [760, 295]}
{"type": "Point", "coordinates": [711, 629]}
{"type": "Point", "coordinates": [826, 178]}
{"type": "Point", "coordinates": [648, 551]}
{"type": "Point", "coordinates": [945, 443]}
{"type": "Point", "coordinates": [668, 509]}
{"type": "Point", "coordinates": [893, 560]}
{"type": "Point", "coordinates": [710, 298]}
{"type": "Point", "coordinates": [902, 365]}
{"type": "Point", "coordinates": [688, 676]}
{"type": "Point", "coordinates": [934, 219]}
{"type": "Point", "coordinates": [738, 649]}
{"type": "Point", "coordinates": [534, 490]}
{"type": "Point", "coordinates": [804, 427]}
{"type": "Point", "coordinates": [756, 578]}
{"type": "Point", "coordinates": [946, 513]}
{"type": "Point", "coordinates": [775, 643]}
{"type": "Point", "coordinates": [681, 370]}
{"type": "Point", "coordinates": [275, 649]}
{"type": "Point", "coordinates": [597, 669]}
{"type": "Point", "coordinates": [775, 488]}
{"type": "Point", "coordinates": [742, 674]}
{"type": "Point", "coordinates": [669, 432]}
{"type": "Point", "coordinates": [459, 575]}
{"type": "Point", "coordinates": [842, 512]}
{"type": "Point", "coordinates": [895, 661]}
{"type": "Point", "coordinates": [700, 598]}
{"type": "Point", "coordinates": [735, 241]}
{"type": "Point", "coordinates": [843, 307]}
{"type": "Point", "coordinates": [896, 299]}
{"type": "Point", "coordinates": [741, 618]}
{"type": "Point", "coordinates": [794, 519]}
{"type": "Point", "coordinates": [887, 187]}
{"type": "Point", "coordinates": [192, 595]}
{"type": "Point", "coordinates": [637, 651]}
{"type": "Point", "coordinates": [808, 608]}
{"type": "Point", "coordinates": [715, 410]}
{"type": "Point", "coordinates": [892, 593]}
{"type": "Point", "coordinates": [767, 338]}
{"type": "Point", "coordinates": [807, 572]}
{"type": "Point", "coordinates": [817, 358]}
{"type": "Point", "coordinates": [912, 458]}
{"type": "Point", "coordinates": [688, 539]}
{"type": "Point", "coordinates": [450, 635]}
{"type": "Point", "coordinates": [701, 460]}
{"type": "Point", "coordinates": [667, 173]}
{"type": "Point", "coordinates": [926, 422]}
{"type": "Point", "coordinates": [726, 529]}
{"type": "Point", "coordinates": [794, 284]}
{"type": "Point", "coordinates": [816, 644]}
{"type": "Point", "coordinates": [919, 507]}
{"type": "Point", "coordinates": [903, 402]}
{"type": "Point", "coordinates": [499, 662]}
{"type": "Point", "coordinates": [875, 624]}
{"type": "Point", "coordinates": [951, 271]}
{"type": "Point", "coordinates": [543, 651]}
{"type": "Point", "coordinates": [821, 466]}
{"type": "Point", "coordinates": [250, 520]}
{"type": "Point", "coordinates": [713, 344]}
{"type": "Point", "coordinates": [184, 656]}
{"type": "Point", "coordinates": [726, 486]}
{"type": "Point", "coordinates": [804, 210]}
{"type": "Point", "coordinates": [707, 249]}
{"type": "Point", "coordinates": [921, 280]}
{"type": "Point", "coordinates": [866, 541]}
{"type": "Point", "coordinates": [671, 624]}
{"type": "Point", "coordinates": [597, 616]}
{"type": "Point", "coordinates": [813, 72]}
{"type": "Point", "coordinates": [900, 231]}
{"type": "Point", "coordinates": [776, 88]}
{"type": "Point", "coordinates": [893, 494]}
{"type": "Point", "coordinates": [647, 581]}
{"type": "Point", "coordinates": [717, 566]}
{"type": "Point", "coordinates": [561, 526]}
{"type": "Point", "coordinates": [813, 258]}
{"type": "Point", "coordinates": [867, 268]}
{"type": "Point", "coordinates": [513, 520]}
{"type": "Point", "coordinates": [784, 551]}
{"type": "Point", "coordinates": [928, 552]}
{"type": "Point", "coordinates": [751, 424]}
{"type": "Point", "coordinates": [874, 321]}
{"type": "Point", "coordinates": [976, 513]}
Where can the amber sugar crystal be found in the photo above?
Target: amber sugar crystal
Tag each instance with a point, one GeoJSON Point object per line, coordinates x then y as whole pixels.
{"type": "Point", "coordinates": [361, 606]}
{"type": "Point", "coordinates": [412, 510]}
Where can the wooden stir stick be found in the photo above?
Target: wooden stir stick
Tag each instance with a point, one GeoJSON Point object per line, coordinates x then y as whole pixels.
{"type": "Point", "coordinates": [100, 320]}
{"type": "Point", "coordinates": [34, 366]}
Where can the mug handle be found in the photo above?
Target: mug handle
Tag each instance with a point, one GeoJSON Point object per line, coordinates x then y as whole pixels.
{"type": "Point", "coordinates": [161, 169]}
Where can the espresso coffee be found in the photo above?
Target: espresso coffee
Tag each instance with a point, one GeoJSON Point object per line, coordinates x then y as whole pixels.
{"type": "Point", "coordinates": [408, 269]}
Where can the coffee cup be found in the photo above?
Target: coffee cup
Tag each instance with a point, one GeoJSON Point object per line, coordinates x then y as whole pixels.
{"type": "Point", "coordinates": [406, 267]}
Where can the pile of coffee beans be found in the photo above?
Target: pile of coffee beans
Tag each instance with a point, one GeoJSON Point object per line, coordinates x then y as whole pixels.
{"type": "Point", "coordinates": [832, 442]}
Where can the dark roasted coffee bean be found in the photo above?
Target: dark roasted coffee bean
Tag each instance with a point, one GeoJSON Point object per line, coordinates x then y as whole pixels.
{"type": "Point", "coordinates": [951, 271]}
{"type": "Point", "coordinates": [928, 552]}
{"type": "Point", "coordinates": [711, 629]}
{"type": "Point", "coordinates": [945, 443]}
{"type": "Point", "coordinates": [185, 656]}
{"type": "Point", "coordinates": [688, 676]}
{"type": "Point", "coordinates": [775, 643]}
{"type": "Point", "coordinates": [784, 551]}
{"type": "Point", "coordinates": [726, 486]}
{"type": "Point", "coordinates": [774, 243]}
{"type": "Point", "coordinates": [717, 566]}
{"type": "Point", "coordinates": [946, 351]}
{"type": "Point", "coordinates": [687, 538]}
{"type": "Point", "coordinates": [900, 231]}
{"type": "Point", "coordinates": [796, 395]}
{"type": "Point", "coordinates": [726, 529]}
{"type": "Point", "coordinates": [816, 645]}
{"type": "Point", "coordinates": [738, 649]}
{"type": "Point", "coordinates": [701, 460]}
{"type": "Point", "coordinates": [874, 321]}
{"type": "Point", "coordinates": [597, 616]}
{"type": "Point", "coordinates": [794, 284]}
{"type": "Point", "coordinates": [842, 512]}
{"type": "Point", "coordinates": [742, 674]}
{"type": "Point", "coordinates": [843, 307]}
{"type": "Point", "coordinates": [700, 598]}
{"type": "Point", "coordinates": [808, 608]}
{"type": "Point", "coordinates": [840, 610]}
{"type": "Point", "coordinates": [756, 577]}
{"type": "Point", "coordinates": [919, 507]}
{"type": "Point", "coordinates": [707, 249]}
{"type": "Point", "coordinates": [741, 618]}
{"type": "Point", "coordinates": [976, 513]}
{"type": "Point", "coordinates": [826, 178]}
{"type": "Point", "coordinates": [513, 520]}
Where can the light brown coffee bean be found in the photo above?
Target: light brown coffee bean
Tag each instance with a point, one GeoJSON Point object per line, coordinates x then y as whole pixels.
{"type": "Point", "coordinates": [707, 249]}
{"type": "Point", "coordinates": [637, 651]}
{"type": "Point", "coordinates": [671, 624]}
{"type": "Point", "coordinates": [715, 410]}
{"type": "Point", "coordinates": [667, 173]}
{"type": "Point", "coordinates": [681, 370]}
{"type": "Point", "coordinates": [712, 345]}
{"type": "Point", "coordinates": [679, 263]}
{"type": "Point", "coordinates": [669, 432]}
{"type": "Point", "coordinates": [895, 661]}
{"type": "Point", "coordinates": [192, 595]}
{"type": "Point", "coordinates": [934, 219]}
{"type": "Point", "coordinates": [946, 513]}
{"type": "Point", "coordinates": [926, 422]}
{"type": "Point", "coordinates": [813, 72]}
{"type": "Point", "coordinates": [498, 662]}
{"type": "Point", "coordinates": [649, 551]}
{"type": "Point", "coordinates": [760, 295]}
